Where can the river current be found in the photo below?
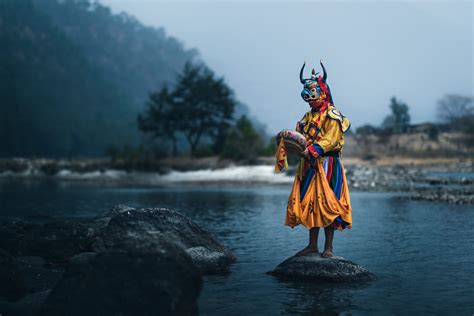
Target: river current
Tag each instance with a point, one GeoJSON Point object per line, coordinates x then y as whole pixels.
{"type": "Point", "coordinates": [422, 252]}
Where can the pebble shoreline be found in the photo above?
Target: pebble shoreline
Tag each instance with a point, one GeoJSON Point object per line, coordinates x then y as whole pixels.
{"type": "Point", "coordinates": [445, 183]}
{"type": "Point", "coordinates": [451, 182]}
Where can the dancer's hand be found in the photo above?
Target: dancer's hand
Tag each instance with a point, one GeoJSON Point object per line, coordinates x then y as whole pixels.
{"type": "Point", "coordinates": [305, 153]}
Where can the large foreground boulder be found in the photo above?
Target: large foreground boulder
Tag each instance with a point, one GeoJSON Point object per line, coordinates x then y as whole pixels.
{"type": "Point", "coordinates": [137, 278]}
{"type": "Point", "coordinates": [155, 224]}
{"type": "Point", "coordinates": [127, 262]}
{"type": "Point", "coordinates": [314, 267]}
{"type": "Point", "coordinates": [59, 241]}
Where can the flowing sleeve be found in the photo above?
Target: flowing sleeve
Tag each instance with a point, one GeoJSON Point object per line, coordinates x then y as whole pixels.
{"type": "Point", "coordinates": [281, 157]}
{"type": "Point", "coordinates": [332, 136]}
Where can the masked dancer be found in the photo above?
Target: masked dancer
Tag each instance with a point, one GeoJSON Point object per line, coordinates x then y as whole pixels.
{"type": "Point", "coordinates": [320, 196]}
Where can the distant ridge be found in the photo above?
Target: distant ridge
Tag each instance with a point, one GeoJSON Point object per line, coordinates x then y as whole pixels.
{"type": "Point", "coordinates": [74, 76]}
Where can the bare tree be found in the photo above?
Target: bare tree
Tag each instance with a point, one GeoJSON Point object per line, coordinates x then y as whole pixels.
{"type": "Point", "coordinates": [454, 109]}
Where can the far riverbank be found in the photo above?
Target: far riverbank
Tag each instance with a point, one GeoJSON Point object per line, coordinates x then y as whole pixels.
{"type": "Point", "coordinates": [441, 179]}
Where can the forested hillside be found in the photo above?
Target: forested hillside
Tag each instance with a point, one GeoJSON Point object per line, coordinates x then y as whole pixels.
{"type": "Point", "coordinates": [73, 76]}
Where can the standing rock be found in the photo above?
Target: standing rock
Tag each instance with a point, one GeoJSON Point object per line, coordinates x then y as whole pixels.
{"type": "Point", "coordinates": [314, 267]}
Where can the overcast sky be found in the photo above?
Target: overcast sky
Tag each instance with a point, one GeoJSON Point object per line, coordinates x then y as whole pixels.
{"type": "Point", "coordinates": [416, 51]}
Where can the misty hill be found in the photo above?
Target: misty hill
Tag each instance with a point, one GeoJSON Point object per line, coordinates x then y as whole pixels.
{"type": "Point", "coordinates": [73, 76]}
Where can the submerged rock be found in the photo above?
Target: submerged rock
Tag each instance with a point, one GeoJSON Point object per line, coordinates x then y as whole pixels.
{"type": "Point", "coordinates": [314, 267]}
{"type": "Point", "coordinates": [53, 241]}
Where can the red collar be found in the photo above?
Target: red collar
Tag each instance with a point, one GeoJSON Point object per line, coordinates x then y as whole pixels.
{"type": "Point", "coordinates": [320, 108]}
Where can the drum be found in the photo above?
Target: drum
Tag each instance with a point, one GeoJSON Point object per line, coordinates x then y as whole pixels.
{"type": "Point", "coordinates": [295, 143]}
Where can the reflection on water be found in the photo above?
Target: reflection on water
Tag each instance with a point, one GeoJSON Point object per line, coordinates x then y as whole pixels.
{"type": "Point", "coordinates": [422, 252]}
{"type": "Point", "coordinates": [321, 299]}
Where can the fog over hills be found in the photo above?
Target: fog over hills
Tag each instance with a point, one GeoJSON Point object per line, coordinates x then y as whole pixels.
{"type": "Point", "coordinates": [74, 76]}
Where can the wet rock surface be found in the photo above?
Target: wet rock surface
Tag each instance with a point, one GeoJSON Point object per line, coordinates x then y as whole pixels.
{"type": "Point", "coordinates": [57, 242]}
{"type": "Point", "coordinates": [210, 261]}
{"type": "Point", "coordinates": [208, 253]}
{"type": "Point", "coordinates": [127, 261]}
{"type": "Point", "coordinates": [316, 268]}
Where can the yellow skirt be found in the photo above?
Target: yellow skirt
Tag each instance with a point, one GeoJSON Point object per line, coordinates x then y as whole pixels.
{"type": "Point", "coordinates": [319, 206]}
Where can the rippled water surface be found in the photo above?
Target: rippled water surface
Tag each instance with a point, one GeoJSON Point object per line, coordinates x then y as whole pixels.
{"type": "Point", "coordinates": [422, 252]}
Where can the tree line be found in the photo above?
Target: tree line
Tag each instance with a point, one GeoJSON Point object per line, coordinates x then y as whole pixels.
{"type": "Point", "coordinates": [454, 112]}
{"type": "Point", "coordinates": [200, 109]}
{"type": "Point", "coordinates": [73, 76]}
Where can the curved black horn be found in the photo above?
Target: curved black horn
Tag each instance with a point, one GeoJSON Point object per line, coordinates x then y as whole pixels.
{"type": "Point", "coordinates": [301, 73]}
{"type": "Point", "coordinates": [325, 75]}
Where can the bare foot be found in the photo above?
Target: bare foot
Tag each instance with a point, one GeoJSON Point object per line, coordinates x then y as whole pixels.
{"type": "Point", "coordinates": [327, 253]}
{"type": "Point", "coordinates": [308, 249]}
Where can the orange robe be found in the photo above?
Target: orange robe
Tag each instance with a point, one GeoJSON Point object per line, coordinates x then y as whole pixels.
{"type": "Point", "coordinates": [320, 207]}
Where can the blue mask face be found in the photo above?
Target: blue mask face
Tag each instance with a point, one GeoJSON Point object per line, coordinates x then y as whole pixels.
{"type": "Point", "coordinates": [311, 91]}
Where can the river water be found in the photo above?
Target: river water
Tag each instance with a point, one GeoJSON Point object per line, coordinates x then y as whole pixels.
{"type": "Point", "coordinates": [422, 252]}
